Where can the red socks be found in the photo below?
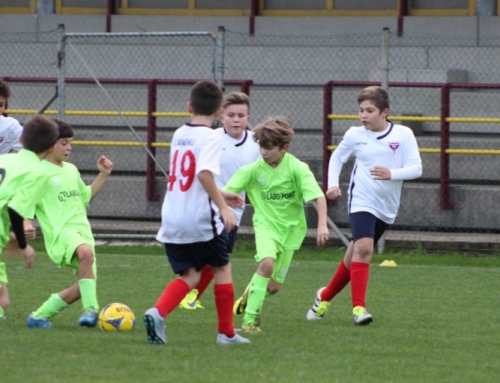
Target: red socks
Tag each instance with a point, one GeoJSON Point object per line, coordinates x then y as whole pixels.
{"type": "Point", "coordinates": [224, 299]}
{"type": "Point", "coordinates": [206, 277]}
{"type": "Point", "coordinates": [340, 280]}
{"type": "Point", "coordinates": [173, 295]}
{"type": "Point", "coordinates": [359, 282]}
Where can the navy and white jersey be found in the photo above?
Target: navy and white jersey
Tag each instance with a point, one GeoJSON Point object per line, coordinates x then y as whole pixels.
{"type": "Point", "coordinates": [235, 154]}
{"type": "Point", "coordinates": [394, 148]}
{"type": "Point", "coordinates": [188, 214]}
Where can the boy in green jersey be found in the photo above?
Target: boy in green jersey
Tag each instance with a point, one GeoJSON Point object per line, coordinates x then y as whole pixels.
{"type": "Point", "coordinates": [62, 215]}
{"type": "Point", "coordinates": [22, 182]}
{"type": "Point", "coordinates": [277, 186]}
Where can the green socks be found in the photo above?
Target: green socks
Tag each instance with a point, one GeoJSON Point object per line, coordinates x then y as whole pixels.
{"type": "Point", "coordinates": [52, 306]}
{"type": "Point", "coordinates": [256, 296]}
{"type": "Point", "coordinates": [89, 293]}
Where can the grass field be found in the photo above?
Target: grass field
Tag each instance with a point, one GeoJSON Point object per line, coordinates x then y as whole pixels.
{"type": "Point", "coordinates": [436, 319]}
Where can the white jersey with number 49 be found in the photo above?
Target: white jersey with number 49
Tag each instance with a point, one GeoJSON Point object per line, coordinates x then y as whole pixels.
{"type": "Point", "coordinates": [187, 212]}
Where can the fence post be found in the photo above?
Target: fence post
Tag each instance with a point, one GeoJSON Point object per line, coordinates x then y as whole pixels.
{"type": "Point", "coordinates": [151, 194]}
{"type": "Point", "coordinates": [219, 56]}
{"type": "Point", "coordinates": [384, 62]}
{"type": "Point", "coordinates": [61, 70]}
{"type": "Point", "coordinates": [327, 131]}
{"type": "Point", "coordinates": [445, 200]}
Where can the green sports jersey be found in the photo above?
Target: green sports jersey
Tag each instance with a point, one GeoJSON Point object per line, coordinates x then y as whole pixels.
{"type": "Point", "coordinates": [22, 180]}
{"type": "Point", "coordinates": [277, 195]}
{"type": "Point", "coordinates": [63, 208]}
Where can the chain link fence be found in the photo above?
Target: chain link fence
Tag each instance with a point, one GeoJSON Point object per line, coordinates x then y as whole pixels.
{"type": "Point", "coordinates": [126, 93]}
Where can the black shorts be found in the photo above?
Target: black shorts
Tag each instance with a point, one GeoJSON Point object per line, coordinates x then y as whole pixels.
{"type": "Point", "coordinates": [231, 240]}
{"type": "Point", "coordinates": [198, 254]}
{"type": "Point", "coordinates": [366, 225]}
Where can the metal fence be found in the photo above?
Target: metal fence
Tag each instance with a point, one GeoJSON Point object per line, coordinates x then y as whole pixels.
{"type": "Point", "coordinates": [126, 93]}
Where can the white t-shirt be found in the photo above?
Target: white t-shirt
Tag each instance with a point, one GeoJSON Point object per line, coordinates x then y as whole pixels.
{"type": "Point", "coordinates": [394, 148]}
{"type": "Point", "coordinates": [10, 131]}
{"type": "Point", "coordinates": [235, 154]}
{"type": "Point", "coordinates": [187, 213]}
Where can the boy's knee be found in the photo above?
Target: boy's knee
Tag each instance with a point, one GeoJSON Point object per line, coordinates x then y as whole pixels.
{"type": "Point", "coordinates": [266, 267]}
{"type": "Point", "coordinates": [85, 254]}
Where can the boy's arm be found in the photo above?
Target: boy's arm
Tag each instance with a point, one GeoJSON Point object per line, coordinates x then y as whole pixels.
{"type": "Point", "coordinates": [322, 232]}
{"type": "Point", "coordinates": [105, 166]}
{"type": "Point", "coordinates": [207, 181]}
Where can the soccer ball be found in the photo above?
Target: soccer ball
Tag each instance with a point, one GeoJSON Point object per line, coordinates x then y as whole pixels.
{"type": "Point", "coordinates": [116, 317]}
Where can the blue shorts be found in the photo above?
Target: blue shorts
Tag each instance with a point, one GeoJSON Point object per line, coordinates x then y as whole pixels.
{"type": "Point", "coordinates": [366, 225]}
{"type": "Point", "coordinates": [198, 254]}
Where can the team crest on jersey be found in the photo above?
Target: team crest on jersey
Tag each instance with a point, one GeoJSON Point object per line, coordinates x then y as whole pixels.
{"type": "Point", "coordinates": [261, 180]}
{"type": "Point", "coordinates": [394, 146]}
{"type": "Point", "coordinates": [56, 181]}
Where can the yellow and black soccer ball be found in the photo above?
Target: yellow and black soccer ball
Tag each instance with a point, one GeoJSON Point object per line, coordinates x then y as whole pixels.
{"type": "Point", "coordinates": [116, 317]}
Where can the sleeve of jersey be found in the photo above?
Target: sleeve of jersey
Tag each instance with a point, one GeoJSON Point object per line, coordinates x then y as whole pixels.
{"type": "Point", "coordinates": [28, 195]}
{"type": "Point", "coordinates": [338, 158]}
{"type": "Point", "coordinates": [412, 167]}
{"type": "Point", "coordinates": [15, 132]}
{"type": "Point", "coordinates": [240, 180]}
{"type": "Point", "coordinates": [307, 182]}
{"type": "Point", "coordinates": [209, 154]}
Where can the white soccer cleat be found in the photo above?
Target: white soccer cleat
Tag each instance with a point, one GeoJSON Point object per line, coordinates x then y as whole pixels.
{"type": "Point", "coordinates": [360, 316]}
{"type": "Point", "coordinates": [319, 308]}
{"type": "Point", "coordinates": [236, 339]}
{"type": "Point", "coordinates": [155, 326]}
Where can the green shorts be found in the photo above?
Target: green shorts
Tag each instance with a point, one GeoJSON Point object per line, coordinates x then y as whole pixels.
{"type": "Point", "coordinates": [268, 246]}
{"type": "Point", "coordinates": [63, 252]}
{"type": "Point", "coordinates": [3, 273]}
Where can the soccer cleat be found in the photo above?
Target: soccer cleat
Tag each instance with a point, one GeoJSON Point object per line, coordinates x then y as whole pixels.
{"type": "Point", "coordinates": [89, 317]}
{"type": "Point", "coordinates": [251, 328]}
{"type": "Point", "coordinates": [319, 308]}
{"type": "Point", "coordinates": [3, 316]}
{"type": "Point", "coordinates": [236, 339]}
{"type": "Point", "coordinates": [190, 302]}
{"type": "Point", "coordinates": [155, 326]}
{"type": "Point", "coordinates": [360, 316]}
{"type": "Point", "coordinates": [240, 305]}
{"type": "Point", "coordinates": [32, 322]}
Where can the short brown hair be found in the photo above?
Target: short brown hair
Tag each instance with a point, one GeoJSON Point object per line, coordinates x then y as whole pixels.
{"type": "Point", "coordinates": [236, 98]}
{"type": "Point", "coordinates": [275, 131]}
{"type": "Point", "coordinates": [4, 89]}
{"type": "Point", "coordinates": [65, 130]}
{"type": "Point", "coordinates": [40, 133]}
{"type": "Point", "coordinates": [377, 95]}
{"type": "Point", "coordinates": [205, 98]}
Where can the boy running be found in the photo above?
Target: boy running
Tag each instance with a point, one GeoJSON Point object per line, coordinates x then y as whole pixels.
{"type": "Point", "coordinates": [386, 154]}
{"type": "Point", "coordinates": [192, 227]}
{"type": "Point", "coordinates": [277, 186]}
{"type": "Point", "coordinates": [68, 237]}
{"type": "Point", "coordinates": [238, 149]}
{"type": "Point", "coordinates": [22, 182]}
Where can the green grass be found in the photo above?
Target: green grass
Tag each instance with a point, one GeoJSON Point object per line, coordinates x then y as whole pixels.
{"type": "Point", "coordinates": [435, 320]}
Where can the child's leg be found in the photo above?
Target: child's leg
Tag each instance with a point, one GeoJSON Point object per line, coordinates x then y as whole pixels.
{"type": "Point", "coordinates": [206, 277]}
{"type": "Point", "coordinates": [360, 270]}
{"type": "Point", "coordinates": [341, 277]}
{"type": "Point", "coordinates": [4, 297]}
{"type": "Point", "coordinates": [257, 291]}
{"type": "Point", "coordinates": [86, 276]}
{"type": "Point", "coordinates": [176, 290]}
{"type": "Point", "coordinates": [224, 298]}
{"type": "Point", "coordinates": [58, 302]}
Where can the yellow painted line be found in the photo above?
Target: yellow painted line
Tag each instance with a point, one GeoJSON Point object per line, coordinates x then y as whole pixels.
{"type": "Point", "coordinates": [422, 119]}
{"type": "Point", "coordinates": [448, 151]}
{"type": "Point", "coordinates": [119, 143]}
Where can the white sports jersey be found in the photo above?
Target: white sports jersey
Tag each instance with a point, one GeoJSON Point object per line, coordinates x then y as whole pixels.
{"type": "Point", "coordinates": [187, 212]}
{"type": "Point", "coordinates": [394, 148]}
{"type": "Point", "coordinates": [10, 131]}
{"type": "Point", "coordinates": [235, 154]}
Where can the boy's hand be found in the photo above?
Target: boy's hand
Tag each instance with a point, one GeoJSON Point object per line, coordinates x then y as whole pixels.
{"type": "Point", "coordinates": [104, 165]}
{"type": "Point", "coordinates": [232, 199]}
{"type": "Point", "coordinates": [29, 230]}
{"type": "Point", "coordinates": [380, 173]}
{"type": "Point", "coordinates": [228, 218]}
{"type": "Point", "coordinates": [333, 193]}
{"type": "Point", "coordinates": [322, 235]}
{"type": "Point", "coordinates": [29, 256]}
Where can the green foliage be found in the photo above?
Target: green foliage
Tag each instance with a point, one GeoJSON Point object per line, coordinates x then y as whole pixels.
{"type": "Point", "coordinates": [434, 321]}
